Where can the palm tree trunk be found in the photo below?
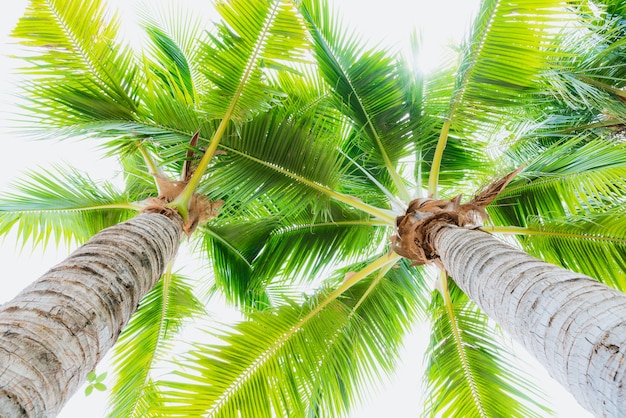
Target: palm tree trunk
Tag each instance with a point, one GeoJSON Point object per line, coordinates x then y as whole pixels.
{"type": "Point", "coordinates": [574, 326]}
{"type": "Point", "coordinates": [57, 329]}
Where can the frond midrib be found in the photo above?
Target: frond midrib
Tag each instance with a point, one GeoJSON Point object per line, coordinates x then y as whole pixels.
{"type": "Point", "coordinates": [388, 164]}
{"type": "Point", "coordinates": [126, 206]}
{"type": "Point", "coordinates": [458, 343]}
{"type": "Point", "coordinates": [194, 181]}
{"type": "Point", "coordinates": [89, 62]}
{"type": "Point", "coordinates": [312, 226]}
{"type": "Point", "coordinates": [530, 231]}
{"type": "Point", "coordinates": [556, 178]}
{"type": "Point", "coordinates": [458, 95]}
{"type": "Point", "coordinates": [160, 334]}
{"type": "Point", "coordinates": [231, 247]}
{"type": "Point", "coordinates": [383, 215]}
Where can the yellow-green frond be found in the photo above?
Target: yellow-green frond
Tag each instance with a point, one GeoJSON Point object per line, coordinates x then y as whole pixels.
{"type": "Point", "coordinates": [296, 359]}
{"type": "Point", "coordinates": [470, 372]}
{"type": "Point", "coordinates": [254, 37]}
{"type": "Point", "coordinates": [145, 341]}
{"type": "Point", "coordinates": [81, 72]}
{"type": "Point", "coordinates": [62, 204]}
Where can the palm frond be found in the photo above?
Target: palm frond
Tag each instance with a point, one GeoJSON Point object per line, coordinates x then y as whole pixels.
{"type": "Point", "coordinates": [139, 183]}
{"type": "Point", "coordinates": [280, 156]}
{"type": "Point", "coordinates": [321, 352]}
{"type": "Point", "coordinates": [369, 86]}
{"type": "Point", "coordinates": [76, 43]}
{"type": "Point", "coordinates": [168, 97]}
{"type": "Point", "coordinates": [463, 157]}
{"type": "Point", "coordinates": [593, 244]}
{"type": "Point", "coordinates": [510, 46]}
{"type": "Point", "coordinates": [254, 36]}
{"type": "Point", "coordinates": [597, 43]}
{"type": "Point", "coordinates": [146, 339]}
{"type": "Point", "coordinates": [580, 176]}
{"type": "Point", "coordinates": [250, 256]}
{"type": "Point", "coordinates": [470, 373]}
{"type": "Point", "coordinates": [63, 203]}
{"type": "Point", "coordinates": [232, 248]}
{"type": "Point", "coordinates": [173, 61]}
{"type": "Point", "coordinates": [177, 35]}
{"type": "Point", "coordinates": [300, 250]}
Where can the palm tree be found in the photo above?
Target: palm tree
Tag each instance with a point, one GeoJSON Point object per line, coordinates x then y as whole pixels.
{"type": "Point", "coordinates": [322, 149]}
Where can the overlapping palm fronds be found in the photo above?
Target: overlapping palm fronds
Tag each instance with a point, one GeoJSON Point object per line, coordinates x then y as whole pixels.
{"type": "Point", "coordinates": [348, 338]}
{"type": "Point", "coordinates": [317, 131]}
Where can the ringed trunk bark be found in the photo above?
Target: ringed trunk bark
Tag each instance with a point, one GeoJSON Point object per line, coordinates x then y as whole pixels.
{"type": "Point", "coordinates": [57, 329]}
{"type": "Point", "coordinates": [574, 325]}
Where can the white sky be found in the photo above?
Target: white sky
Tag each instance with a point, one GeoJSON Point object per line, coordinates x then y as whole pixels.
{"type": "Point", "coordinates": [389, 22]}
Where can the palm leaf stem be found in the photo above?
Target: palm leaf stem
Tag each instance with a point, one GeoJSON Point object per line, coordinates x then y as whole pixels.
{"type": "Point", "coordinates": [130, 206]}
{"type": "Point", "coordinates": [152, 166]}
{"type": "Point", "coordinates": [604, 124]}
{"type": "Point", "coordinates": [433, 178]}
{"type": "Point", "coordinates": [618, 92]}
{"type": "Point", "coordinates": [395, 177]}
{"type": "Point", "coordinates": [467, 371]}
{"type": "Point", "coordinates": [385, 261]}
{"type": "Point", "coordinates": [338, 223]}
{"type": "Point", "coordinates": [518, 230]}
{"type": "Point", "coordinates": [379, 277]}
{"type": "Point", "coordinates": [181, 203]}
{"type": "Point", "coordinates": [455, 100]}
{"type": "Point", "coordinates": [383, 215]}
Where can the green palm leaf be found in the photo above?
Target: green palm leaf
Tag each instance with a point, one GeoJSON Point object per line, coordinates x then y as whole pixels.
{"type": "Point", "coordinates": [575, 177]}
{"type": "Point", "coordinates": [591, 76]}
{"type": "Point", "coordinates": [320, 351]}
{"type": "Point", "coordinates": [77, 44]}
{"type": "Point", "coordinates": [286, 155]}
{"type": "Point", "coordinates": [303, 248]}
{"type": "Point", "coordinates": [290, 155]}
{"type": "Point", "coordinates": [250, 256]}
{"type": "Point", "coordinates": [167, 53]}
{"type": "Point", "coordinates": [62, 204]}
{"type": "Point", "coordinates": [509, 48]}
{"type": "Point", "coordinates": [254, 35]}
{"type": "Point", "coordinates": [511, 44]}
{"type": "Point", "coordinates": [369, 85]}
{"type": "Point", "coordinates": [232, 247]}
{"type": "Point", "coordinates": [470, 373]}
{"type": "Point", "coordinates": [593, 244]}
{"type": "Point", "coordinates": [144, 342]}
{"type": "Point", "coordinates": [462, 157]}
{"type": "Point", "coordinates": [298, 251]}
{"type": "Point", "coordinates": [171, 88]}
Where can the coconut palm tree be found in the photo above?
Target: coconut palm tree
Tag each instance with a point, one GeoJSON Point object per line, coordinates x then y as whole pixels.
{"type": "Point", "coordinates": [337, 170]}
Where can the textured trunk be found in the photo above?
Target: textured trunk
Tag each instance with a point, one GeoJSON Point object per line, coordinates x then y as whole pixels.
{"type": "Point", "coordinates": [57, 329]}
{"type": "Point", "coordinates": [574, 326]}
